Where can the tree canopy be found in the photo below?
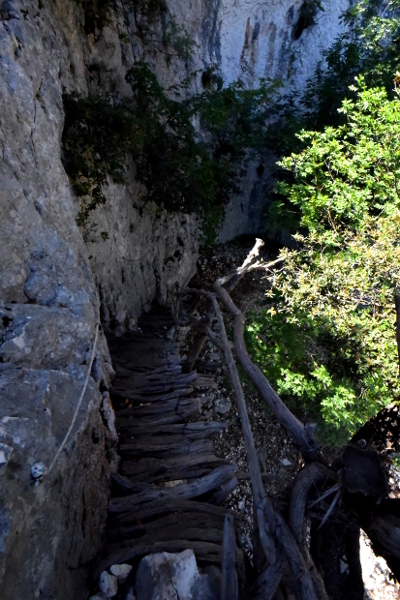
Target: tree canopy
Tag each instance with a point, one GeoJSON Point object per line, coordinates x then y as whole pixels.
{"type": "Point", "coordinates": [327, 337]}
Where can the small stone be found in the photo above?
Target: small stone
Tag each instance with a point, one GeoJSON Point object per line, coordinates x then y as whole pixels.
{"type": "Point", "coordinates": [119, 331]}
{"type": "Point", "coordinates": [108, 584]}
{"type": "Point", "coordinates": [121, 572]}
{"type": "Point", "coordinates": [222, 405]}
{"type": "Point", "coordinates": [168, 576]}
{"type": "Point", "coordinates": [241, 505]}
{"type": "Point", "coordinates": [5, 453]}
{"type": "Point", "coordinates": [286, 462]}
{"type": "Point", "coordinates": [38, 469]}
{"type": "Point", "coordinates": [132, 325]}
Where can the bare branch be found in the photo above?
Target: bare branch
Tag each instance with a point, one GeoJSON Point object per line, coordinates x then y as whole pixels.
{"type": "Point", "coordinates": [229, 584]}
{"type": "Point", "coordinates": [301, 435]}
{"type": "Point", "coordinates": [264, 510]}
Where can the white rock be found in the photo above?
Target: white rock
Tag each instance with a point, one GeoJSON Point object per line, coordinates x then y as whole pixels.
{"type": "Point", "coordinates": [222, 405]}
{"type": "Point", "coordinates": [167, 576]}
{"type": "Point", "coordinates": [286, 462]}
{"type": "Point", "coordinates": [241, 505]}
{"type": "Point", "coordinates": [121, 572]}
{"type": "Point", "coordinates": [108, 584]}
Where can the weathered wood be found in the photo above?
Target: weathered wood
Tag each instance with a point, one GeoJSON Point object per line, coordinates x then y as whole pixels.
{"type": "Point", "coordinates": [129, 486]}
{"type": "Point", "coordinates": [264, 512]}
{"type": "Point", "coordinates": [159, 445]}
{"type": "Point", "coordinates": [202, 532]}
{"type": "Point", "coordinates": [204, 365]}
{"type": "Point", "coordinates": [144, 383]}
{"type": "Point", "coordinates": [173, 522]}
{"type": "Point", "coordinates": [266, 477]}
{"type": "Point", "coordinates": [126, 393]}
{"type": "Point", "coordinates": [204, 381]}
{"type": "Point", "coordinates": [295, 560]}
{"type": "Point", "coordinates": [143, 493]}
{"type": "Point", "coordinates": [222, 495]}
{"type": "Point", "coordinates": [312, 476]}
{"type": "Point", "coordinates": [154, 470]}
{"type": "Point", "coordinates": [181, 416]}
{"type": "Point", "coordinates": [198, 429]}
{"type": "Point", "coordinates": [147, 408]}
{"type": "Point", "coordinates": [267, 583]}
{"type": "Point", "coordinates": [301, 436]}
{"type": "Point", "coordinates": [165, 506]}
{"type": "Point", "coordinates": [229, 583]}
{"type": "Point", "coordinates": [161, 450]}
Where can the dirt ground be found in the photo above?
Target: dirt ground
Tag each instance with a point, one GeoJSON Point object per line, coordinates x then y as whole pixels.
{"type": "Point", "coordinates": [279, 458]}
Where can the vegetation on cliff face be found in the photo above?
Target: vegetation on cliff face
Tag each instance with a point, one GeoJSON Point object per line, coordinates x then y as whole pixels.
{"type": "Point", "coordinates": [190, 150]}
{"type": "Point", "coordinates": [326, 338]}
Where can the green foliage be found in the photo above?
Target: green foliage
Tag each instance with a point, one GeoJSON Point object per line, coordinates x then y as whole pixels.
{"type": "Point", "coordinates": [327, 336]}
{"type": "Point", "coordinates": [96, 139]}
{"type": "Point", "coordinates": [369, 45]}
{"type": "Point", "coordinates": [184, 167]}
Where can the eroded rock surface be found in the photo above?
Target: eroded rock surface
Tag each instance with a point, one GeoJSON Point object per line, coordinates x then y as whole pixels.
{"type": "Point", "coordinates": [52, 288]}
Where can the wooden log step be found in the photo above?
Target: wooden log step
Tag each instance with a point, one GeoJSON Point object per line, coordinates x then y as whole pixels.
{"type": "Point", "coordinates": [213, 480]}
{"type": "Point", "coordinates": [198, 428]}
{"type": "Point", "coordinates": [130, 486]}
{"type": "Point", "coordinates": [204, 381]}
{"type": "Point", "coordinates": [205, 552]}
{"type": "Point", "coordinates": [159, 442]}
{"type": "Point", "coordinates": [156, 408]}
{"type": "Point", "coordinates": [204, 533]}
{"type": "Point", "coordinates": [151, 362]}
{"type": "Point", "coordinates": [179, 522]}
{"type": "Point", "coordinates": [221, 496]}
{"type": "Point", "coordinates": [153, 470]}
{"type": "Point", "coordinates": [150, 374]}
{"type": "Point", "coordinates": [129, 425]}
{"type": "Point", "coordinates": [149, 391]}
{"type": "Point", "coordinates": [141, 341]}
{"type": "Point", "coordinates": [168, 370]}
{"type": "Point", "coordinates": [229, 584]}
{"type": "Point", "coordinates": [131, 346]}
{"type": "Point", "coordinates": [165, 448]}
{"type": "Point", "coordinates": [126, 393]}
{"type": "Point", "coordinates": [140, 352]}
{"type": "Point", "coordinates": [150, 382]}
{"type": "Point", "coordinates": [157, 508]}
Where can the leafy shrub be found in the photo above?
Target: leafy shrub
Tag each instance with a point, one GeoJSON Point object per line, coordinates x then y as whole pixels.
{"type": "Point", "coordinates": [327, 335]}
{"type": "Point", "coordinates": [369, 45]}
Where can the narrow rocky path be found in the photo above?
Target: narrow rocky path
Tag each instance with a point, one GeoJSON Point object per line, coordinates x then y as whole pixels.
{"type": "Point", "coordinates": [170, 486]}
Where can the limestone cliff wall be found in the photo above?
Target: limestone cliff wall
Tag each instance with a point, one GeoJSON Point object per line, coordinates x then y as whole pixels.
{"type": "Point", "coordinates": [55, 280]}
{"type": "Point", "coordinates": [53, 286]}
